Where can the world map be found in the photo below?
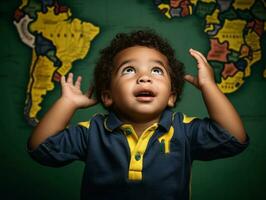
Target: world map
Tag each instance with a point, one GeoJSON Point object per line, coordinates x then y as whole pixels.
{"type": "Point", "coordinates": [56, 40]}
{"type": "Point", "coordinates": [234, 29]}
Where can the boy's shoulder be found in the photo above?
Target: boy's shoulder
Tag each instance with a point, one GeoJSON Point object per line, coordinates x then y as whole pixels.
{"type": "Point", "coordinates": [183, 118]}
{"type": "Point", "coordinates": [188, 119]}
{"type": "Point", "coordinates": [98, 117]}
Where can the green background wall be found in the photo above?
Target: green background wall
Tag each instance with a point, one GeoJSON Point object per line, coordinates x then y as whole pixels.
{"type": "Point", "coordinates": [241, 177]}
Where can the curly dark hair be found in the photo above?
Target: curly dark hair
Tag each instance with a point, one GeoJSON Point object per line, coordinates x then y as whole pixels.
{"type": "Point", "coordinates": [148, 38]}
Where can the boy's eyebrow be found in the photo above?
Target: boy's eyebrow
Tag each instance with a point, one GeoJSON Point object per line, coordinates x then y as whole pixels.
{"type": "Point", "coordinates": [159, 62]}
{"type": "Point", "coordinates": [132, 60]}
{"type": "Point", "coordinates": [125, 62]}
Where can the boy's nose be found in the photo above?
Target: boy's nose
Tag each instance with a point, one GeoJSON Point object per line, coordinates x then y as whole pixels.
{"type": "Point", "coordinates": [144, 79]}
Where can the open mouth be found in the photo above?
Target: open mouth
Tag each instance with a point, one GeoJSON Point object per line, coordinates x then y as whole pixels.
{"type": "Point", "coordinates": [145, 96]}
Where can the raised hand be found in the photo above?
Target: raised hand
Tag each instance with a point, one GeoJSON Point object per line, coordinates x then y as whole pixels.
{"type": "Point", "coordinates": [72, 93]}
{"type": "Point", "coordinates": [205, 72]}
{"type": "Point", "coordinates": [59, 115]}
{"type": "Point", "coordinates": [219, 107]}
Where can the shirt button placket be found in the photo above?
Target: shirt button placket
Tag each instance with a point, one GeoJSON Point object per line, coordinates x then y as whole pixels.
{"type": "Point", "coordinates": [128, 131]}
{"type": "Point", "coordinates": [137, 156]}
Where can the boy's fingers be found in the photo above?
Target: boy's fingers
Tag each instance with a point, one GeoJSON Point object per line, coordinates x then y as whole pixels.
{"type": "Point", "coordinates": [78, 82]}
{"type": "Point", "coordinates": [70, 78]}
{"type": "Point", "coordinates": [198, 56]}
{"type": "Point", "coordinates": [191, 79]}
{"type": "Point", "coordinates": [63, 80]}
{"type": "Point", "coordinates": [201, 55]}
{"type": "Point", "coordinates": [93, 102]}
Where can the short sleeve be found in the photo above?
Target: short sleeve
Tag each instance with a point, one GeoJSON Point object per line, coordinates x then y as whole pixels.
{"type": "Point", "coordinates": [210, 141]}
{"type": "Point", "coordinates": [62, 148]}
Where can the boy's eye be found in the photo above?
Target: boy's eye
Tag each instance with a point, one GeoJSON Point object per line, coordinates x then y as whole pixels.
{"type": "Point", "coordinates": [157, 71]}
{"type": "Point", "coordinates": [128, 70]}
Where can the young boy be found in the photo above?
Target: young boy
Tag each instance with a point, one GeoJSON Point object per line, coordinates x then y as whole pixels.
{"type": "Point", "coordinates": [140, 149]}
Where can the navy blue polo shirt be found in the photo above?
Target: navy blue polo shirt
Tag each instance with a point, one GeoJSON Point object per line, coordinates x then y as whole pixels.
{"type": "Point", "coordinates": [121, 165]}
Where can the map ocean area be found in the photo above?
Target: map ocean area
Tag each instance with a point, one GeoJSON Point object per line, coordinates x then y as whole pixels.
{"type": "Point", "coordinates": [234, 29]}
{"type": "Point", "coordinates": [57, 40]}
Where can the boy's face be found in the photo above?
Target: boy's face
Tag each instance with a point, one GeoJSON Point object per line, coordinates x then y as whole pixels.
{"type": "Point", "coordinates": [141, 85]}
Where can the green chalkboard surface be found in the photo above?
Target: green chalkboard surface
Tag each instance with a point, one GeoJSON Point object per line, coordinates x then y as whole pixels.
{"type": "Point", "coordinates": [189, 25]}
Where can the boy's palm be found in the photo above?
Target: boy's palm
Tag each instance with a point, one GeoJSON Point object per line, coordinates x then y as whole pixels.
{"type": "Point", "coordinates": [73, 93]}
{"type": "Point", "coordinates": [205, 73]}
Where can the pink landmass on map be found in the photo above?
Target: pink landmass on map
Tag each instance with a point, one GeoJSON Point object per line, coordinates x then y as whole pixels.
{"type": "Point", "coordinates": [257, 26]}
{"type": "Point", "coordinates": [229, 70]}
{"type": "Point", "coordinates": [218, 51]}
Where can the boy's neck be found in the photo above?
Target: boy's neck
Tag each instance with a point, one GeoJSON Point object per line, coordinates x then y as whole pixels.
{"type": "Point", "coordinates": [140, 124]}
{"type": "Point", "coordinates": [141, 127]}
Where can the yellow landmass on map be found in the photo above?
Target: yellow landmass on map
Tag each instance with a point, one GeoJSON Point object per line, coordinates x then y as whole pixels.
{"type": "Point", "coordinates": [231, 84]}
{"type": "Point", "coordinates": [71, 38]}
{"type": "Point", "coordinates": [256, 56]}
{"type": "Point", "coordinates": [232, 31]}
{"type": "Point", "coordinates": [41, 71]}
{"type": "Point", "coordinates": [72, 41]}
{"type": "Point", "coordinates": [213, 18]}
{"type": "Point", "coordinates": [253, 40]}
{"type": "Point", "coordinates": [23, 3]}
{"type": "Point", "coordinates": [167, 8]}
{"type": "Point", "coordinates": [194, 2]}
{"type": "Point", "coordinates": [243, 4]}
{"type": "Point", "coordinates": [208, 28]}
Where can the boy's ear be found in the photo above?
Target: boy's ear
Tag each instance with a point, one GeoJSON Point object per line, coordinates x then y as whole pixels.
{"type": "Point", "coordinates": [107, 98]}
{"type": "Point", "coordinates": [172, 100]}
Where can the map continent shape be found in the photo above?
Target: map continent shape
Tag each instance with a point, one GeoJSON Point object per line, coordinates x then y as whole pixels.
{"type": "Point", "coordinates": [238, 26]}
{"type": "Point", "coordinates": [57, 40]}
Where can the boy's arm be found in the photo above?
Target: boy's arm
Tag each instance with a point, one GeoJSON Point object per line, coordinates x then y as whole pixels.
{"type": "Point", "coordinates": [219, 107]}
{"type": "Point", "coordinates": [58, 116]}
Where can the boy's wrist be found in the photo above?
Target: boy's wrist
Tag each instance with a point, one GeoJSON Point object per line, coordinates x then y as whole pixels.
{"type": "Point", "coordinates": [67, 103]}
{"type": "Point", "coordinates": [208, 85]}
